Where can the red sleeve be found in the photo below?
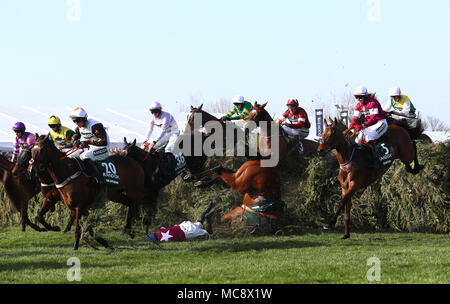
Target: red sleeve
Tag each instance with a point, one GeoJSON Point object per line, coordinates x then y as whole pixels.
{"type": "Point", "coordinates": [302, 115]}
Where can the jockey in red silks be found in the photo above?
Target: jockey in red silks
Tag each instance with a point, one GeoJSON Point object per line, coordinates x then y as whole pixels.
{"type": "Point", "coordinates": [24, 140]}
{"type": "Point", "coordinates": [185, 231]}
{"type": "Point", "coordinates": [295, 120]}
{"type": "Point", "coordinates": [369, 120]}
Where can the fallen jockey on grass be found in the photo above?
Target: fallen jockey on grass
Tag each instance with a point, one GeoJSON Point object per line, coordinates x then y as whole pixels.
{"type": "Point", "coordinates": [187, 230]}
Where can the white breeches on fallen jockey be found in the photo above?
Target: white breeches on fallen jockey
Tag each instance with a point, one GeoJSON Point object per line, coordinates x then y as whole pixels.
{"type": "Point", "coordinates": [372, 132]}
{"type": "Point", "coordinates": [302, 133]}
{"type": "Point", "coordinates": [170, 138]}
{"type": "Point", "coordinates": [94, 153]}
{"type": "Point", "coordinates": [193, 230]}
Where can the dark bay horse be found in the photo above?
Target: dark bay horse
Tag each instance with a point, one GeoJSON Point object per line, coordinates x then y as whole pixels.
{"type": "Point", "coordinates": [19, 189]}
{"type": "Point", "coordinates": [259, 115]}
{"type": "Point", "coordinates": [48, 190]}
{"type": "Point", "coordinates": [235, 135]}
{"type": "Point", "coordinates": [77, 190]}
{"type": "Point", "coordinates": [355, 173]}
{"type": "Point", "coordinates": [155, 176]}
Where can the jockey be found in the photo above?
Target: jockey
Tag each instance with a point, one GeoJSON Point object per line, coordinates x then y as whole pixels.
{"type": "Point", "coordinates": [184, 231]}
{"type": "Point", "coordinates": [240, 111]}
{"type": "Point", "coordinates": [295, 120]}
{"type": "Point", "coordinates": [399, 104]}
{"type": "Point", "coordinates": [24, 140]}
{"type": "Point", "coordinates": [169, 129]}
{"type": "Point", "coordinates": [60, 135]}
{"type": "Point", "coordinates": [369, 120]}
{"type": "Point", "coordinates": [92, 138]}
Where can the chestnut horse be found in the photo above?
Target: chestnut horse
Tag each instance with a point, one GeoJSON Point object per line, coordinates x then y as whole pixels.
{"type": "Point", "coordinates": [355, 173]}
{"type": "Point", "coordinates": [76, 189]}
{"type": "Point", "coordinates": [252, 180]}
{"type": "Point", "coordinates": [19, 189]}
{"type": "Point", "coordinates": [48, 190]}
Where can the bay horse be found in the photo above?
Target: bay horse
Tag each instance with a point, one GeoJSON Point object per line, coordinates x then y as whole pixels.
{"type": "Point", "coordinates": [251, 179]}
{"type": "Point", "coordinates": [260, 114]}
{"type": "Point", "coordinates": [19, 190]}
{"type": "Point", "coordinates": [76, 188]}
{"type": "Point", "coordinates": [48, 190]}
{"type": "Point", "coordinates": [154, 176]}
{"type": "Point", "coordinates": [355, 172]}
{"type": "Point", "coordinates": [206, 118]}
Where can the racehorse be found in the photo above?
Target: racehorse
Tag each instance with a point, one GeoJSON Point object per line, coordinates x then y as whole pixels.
{"type": "Point", "coordinates": [354, 173]}
{"type": "Point", "coordinates": [76, 188]}
{"type": "Point", "coordinates": [48, 190]}
{"type": "Point", "coordinates": [258, 115]}
{"type": "Point", "coordinates": [206, 118]}
{"type": "Point", "coordinates": [251, 179]}
{"type": "Point", "coordinates": [156, 175]}
{"type": "Point", "coordinates": [19, 189]}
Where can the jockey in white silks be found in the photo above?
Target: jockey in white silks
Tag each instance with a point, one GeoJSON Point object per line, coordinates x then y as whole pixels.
{"type": "Point", "coordinates": [93, 139]}
{"type": "Point", "coordinates": [169, 129]}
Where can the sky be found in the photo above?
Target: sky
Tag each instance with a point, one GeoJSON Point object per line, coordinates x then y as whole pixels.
{"type": "Point", "coordinates": [103, 54]}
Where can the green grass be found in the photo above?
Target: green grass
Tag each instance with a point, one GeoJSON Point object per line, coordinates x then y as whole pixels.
{"type": "Point", "coordinates": [32, 257]}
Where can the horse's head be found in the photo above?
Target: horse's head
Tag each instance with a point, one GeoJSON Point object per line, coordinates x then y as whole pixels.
{"type": "Point", "coordinates": [191, 116]}
{"type": "Point", "coordinates": [130, 148]}
{"type": "Point", "coordinates": [22, 162]}
{"type": "Point", "coordinates": [331, 137]}
{"type": "Point", "coordinates": [259, 113]}
{"type": "Point", "coordinates": [43, 153]}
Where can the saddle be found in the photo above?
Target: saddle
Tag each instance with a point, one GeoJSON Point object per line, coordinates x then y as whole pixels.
{"type": "Point", "coordinates": [104, 171]}
{"type": "Point", "coordinates": [382, 156]}
{"type": "Point", "coordinates": [170, 165]}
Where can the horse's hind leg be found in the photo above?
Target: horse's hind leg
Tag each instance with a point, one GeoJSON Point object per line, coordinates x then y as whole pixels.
{"type": "Point", "coordinates": [26, 221]}
{"type": "Point", "coordinates": [46, 206]}
{"type": "Point", "coordinates": [417, 166]}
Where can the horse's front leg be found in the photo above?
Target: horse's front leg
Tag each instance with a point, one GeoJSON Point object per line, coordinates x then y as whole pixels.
{"type": "Point", "coordinates": [348, 207]}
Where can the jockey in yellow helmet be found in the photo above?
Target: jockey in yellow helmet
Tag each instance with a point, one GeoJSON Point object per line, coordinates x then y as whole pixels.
{"type": "Point", "coordinates": [60, 135]}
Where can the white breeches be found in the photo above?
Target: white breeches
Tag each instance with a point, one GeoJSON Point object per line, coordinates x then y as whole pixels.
{"type": "Point", "coordinates": [193, 230]}
{"type": "Point", "coordinates": [373, 132]}
{"type": "Point", "coordinates": [170, 139]}
{"type": "Point", "coordinates": [302, 133]}
{"type": "Point", "coordinates": [94, 153]}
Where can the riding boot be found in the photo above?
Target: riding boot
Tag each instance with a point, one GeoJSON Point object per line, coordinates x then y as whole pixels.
{"type": "Point", "coordinates": [375, 162]}
{"type": "Point", "coordinates": [209, 210]}
{"type": "Point", "coordinates": [93, 172]}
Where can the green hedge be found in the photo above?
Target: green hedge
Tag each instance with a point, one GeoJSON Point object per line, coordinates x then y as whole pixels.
{"type": "Point", "coordinates": [311, 190]}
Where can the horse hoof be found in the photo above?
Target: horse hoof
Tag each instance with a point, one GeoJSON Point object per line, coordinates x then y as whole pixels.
{"type": "Point", "coordinates": [56, 228]}
{"type": "Point", "coordinates": [327, 227]}
{"type": "Point", "coordinates": [188, 178]}
{"type": "Point", "coordinates": [347, 236]}
{"type": "Point", "coordinates": [198, 184]}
